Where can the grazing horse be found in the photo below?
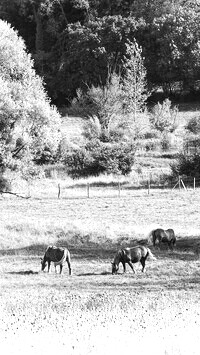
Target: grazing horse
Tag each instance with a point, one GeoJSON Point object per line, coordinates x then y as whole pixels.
{"type": "Point", "coordinates": [164, 236]}
{"type": "Point", "coordinates": [131, 255]}
{"type": "Point", "coordinates": [58, 256]}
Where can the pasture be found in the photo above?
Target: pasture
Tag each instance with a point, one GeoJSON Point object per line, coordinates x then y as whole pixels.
{"type": "Point", "coordinates": [92, 311]}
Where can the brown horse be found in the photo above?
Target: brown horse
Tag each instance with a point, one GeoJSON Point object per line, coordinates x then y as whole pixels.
{"type": "Point", "coordinates": [58, 256]}
{"type": "Point", "coordinates": [164, 236]}
{"type": "Point", "coordinates": [131, 256]}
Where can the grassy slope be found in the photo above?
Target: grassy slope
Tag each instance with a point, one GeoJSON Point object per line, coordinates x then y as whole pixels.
{"type": "Point", "coordinates": [93, 312]}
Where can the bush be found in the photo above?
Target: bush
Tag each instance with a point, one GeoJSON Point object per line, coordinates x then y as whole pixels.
{"type": "Point", "coordinates": [187, 165]}
{"type": "Point", "coordinates": [4, 184]}
{"type": "Point", "coordinates": [164, 117]}
{"type": "Point", "coordinates": [165, 142]}
{"type": "Point", "coordinates": [151, 134]}
{"type": "Point", "coordinates": [193, 125]}
{"type": "Point", "coordinates": [151, 144]}
{"type": "Point", "coordinates": [45, 156]}
{"type": "Point", "coordinates": [98, 157]}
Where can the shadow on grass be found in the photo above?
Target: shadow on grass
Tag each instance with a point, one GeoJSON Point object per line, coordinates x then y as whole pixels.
{"type": "Point", "coordinates": [27, 272]}
{"type": "Point", "coordinates": [104, 273]}
{"type": "Point", "coordinates": [187, 249]}
{"type": "Point", "coordinates": [94, 251]}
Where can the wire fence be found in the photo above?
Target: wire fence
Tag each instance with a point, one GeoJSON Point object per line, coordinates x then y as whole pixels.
{"type": "Point", "coordinates": [119, 189]}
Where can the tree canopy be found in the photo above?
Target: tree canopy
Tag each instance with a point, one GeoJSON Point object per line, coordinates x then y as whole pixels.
{"type": "Point", "coordinates": [28, 122]}
{"type": "Point", "coordinates": [73, 42]}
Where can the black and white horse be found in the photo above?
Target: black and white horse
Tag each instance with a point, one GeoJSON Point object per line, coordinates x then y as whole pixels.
{"type": "Point", "coordinates": [58, 256]}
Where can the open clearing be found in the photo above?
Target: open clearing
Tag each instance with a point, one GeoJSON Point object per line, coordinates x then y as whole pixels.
{"type": "Point", "coordinates": [94, 312]}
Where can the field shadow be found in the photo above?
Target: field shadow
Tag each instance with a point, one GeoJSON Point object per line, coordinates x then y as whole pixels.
{"type": "Point", "coordinates": [103, 273]}
{"type": "Point", "coordinates": [33, 250]}
{"type": "Point", "coordinates": [187, 249]}
{"type": "Point", "coordinates": [26, 272]}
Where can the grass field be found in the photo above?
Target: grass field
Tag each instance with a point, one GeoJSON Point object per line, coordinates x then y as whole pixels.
{"type": "Point", "coordinates": [94, 312]}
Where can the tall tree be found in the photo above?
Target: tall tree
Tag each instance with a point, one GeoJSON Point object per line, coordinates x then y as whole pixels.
{"type": "Point", "coordinates": [171, 49]}
{"type": "Point", "coordinates": [134, 80]}
{"type": "Point", "coordinates": [28, 123]}
{"type": "Point", "coordinates": [100, 44]}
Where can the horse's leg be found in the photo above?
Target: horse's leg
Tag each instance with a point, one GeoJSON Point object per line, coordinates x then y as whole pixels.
{"type": "Point", "coordinates": [131, 265]}
{"type": "Point", "coordinates": [61, 266]}
{"type": "Point", "coordinates": [69, 267]}
{"type": "Point", "coordinates": [124, 266]}
{"type": "Point", "coordinates": [143, 264]}
{"type": "Point", "coordinates": [49, 263]}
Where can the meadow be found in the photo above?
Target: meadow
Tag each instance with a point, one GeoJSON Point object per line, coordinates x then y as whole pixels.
{"type": "Point", "coordinates": [92, 311]}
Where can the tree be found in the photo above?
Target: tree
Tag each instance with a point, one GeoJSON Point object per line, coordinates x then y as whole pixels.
{"type": "Point", "coordinates": [134, 80]}
{"type": "Point", "coordinates": [110, 136]}
{"type": "Point", "coordinates": [171, 50]}
{"type": "Point", "coordinates": [28, 123]}
{"type": "Point", "coordinates": [100, 44]}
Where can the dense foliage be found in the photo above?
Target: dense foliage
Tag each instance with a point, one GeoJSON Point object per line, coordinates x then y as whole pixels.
{"type": "Point", "coordinates": [188, 161]}
{"type": "Point", "coordinates": [74, 42]}
{"type": "Point", "coordinates": [28, 123]}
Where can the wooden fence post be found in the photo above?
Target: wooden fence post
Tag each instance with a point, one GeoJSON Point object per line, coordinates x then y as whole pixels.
{"type": "Point", "coordinates": [58, 190]}
{"type": "Point", "coordinates": [149, 185]}
{"type": "Point", "coordinates": [179, 182]}
{"type": "Point", "coordinates": [88, 190]}
{"type": "Point", "coordinates": [119, 189]}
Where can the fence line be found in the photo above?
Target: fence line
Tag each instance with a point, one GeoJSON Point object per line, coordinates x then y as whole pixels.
{"type": "Point", "coordinates": [182, 183]}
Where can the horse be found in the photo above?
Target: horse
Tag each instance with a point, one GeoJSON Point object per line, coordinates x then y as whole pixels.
{"type": "Point", "coordinates": [131, 255]}
{"type": "Point", "coordinates": [164, 236]}
{"type": "Point", "coordinates": [58, 256]}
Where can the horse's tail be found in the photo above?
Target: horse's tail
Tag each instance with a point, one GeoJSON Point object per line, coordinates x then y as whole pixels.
{"type": "Point", "coordinates": [67, 255]}
{"type": "Point", "coordinates": [68, 260]}
{"type": "Point", "coordinates": [150, 254]}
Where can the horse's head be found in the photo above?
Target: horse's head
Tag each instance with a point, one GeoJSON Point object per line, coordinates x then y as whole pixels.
{"type": "Point", "coordinates": [115, 268]}
{"type": "Point", "coordinates": [43, 263]}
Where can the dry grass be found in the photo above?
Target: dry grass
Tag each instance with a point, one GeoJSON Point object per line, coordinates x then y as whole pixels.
{"type": "Point", "coordinates": [94, 312]}
{"type": "Point", "coordinates": [104, 216]}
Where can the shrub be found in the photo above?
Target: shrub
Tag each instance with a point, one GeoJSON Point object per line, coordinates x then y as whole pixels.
{"type": "Point", "coordinates": [4, 184]}
{"type": "Point", "coordinates": [45, 156]}
{"type": "Point", "coordinates": [193, 125]}
{"type": "Point", "coordinates": [164, 117]}
{"type": "Point", "coordinates": [165, 142]}
{"type": "Point", "coordinates": [99, 157]}
{"type": "Point", "coordinates": [186, 165]}
{"type": "Point", "coordinates": [151, 134]}
{"type": "Point", "coordinates": [150, 145]}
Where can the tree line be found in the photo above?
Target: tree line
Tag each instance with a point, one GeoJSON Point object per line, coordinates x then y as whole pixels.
{"type": "Point", "coordinates": [76, 43]}
{"type": "Point", "coordinates": [105, 61]}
